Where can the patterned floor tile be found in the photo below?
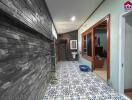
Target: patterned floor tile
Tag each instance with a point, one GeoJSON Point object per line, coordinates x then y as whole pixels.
{"type": "Point", "coordinates": [72, 84]}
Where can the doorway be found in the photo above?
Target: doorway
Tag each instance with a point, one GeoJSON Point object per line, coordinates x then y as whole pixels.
{"type": "Point", "coordinates": [125, 62]}
{"type": "Point", "coordinates": [100, 49]}
{"type": "Point", "coordinates": [96, 51]}
{"type": "Point", "coordinates": [63, 50]}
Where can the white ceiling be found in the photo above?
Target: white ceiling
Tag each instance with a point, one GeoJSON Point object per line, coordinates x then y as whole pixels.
{"type": "Point", "coordinates": [62, 10]}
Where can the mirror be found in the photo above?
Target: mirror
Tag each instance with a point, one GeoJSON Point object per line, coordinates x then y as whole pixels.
{"type": "Point", "coordinates": [73, 44]}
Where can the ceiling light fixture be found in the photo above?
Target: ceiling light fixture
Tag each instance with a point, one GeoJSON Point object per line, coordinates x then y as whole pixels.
{"type": "Point", "coordinates": [73, 18]}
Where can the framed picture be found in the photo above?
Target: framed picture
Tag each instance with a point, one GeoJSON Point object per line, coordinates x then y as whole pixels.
{"type": "Point", "coordinates": [73, 44]}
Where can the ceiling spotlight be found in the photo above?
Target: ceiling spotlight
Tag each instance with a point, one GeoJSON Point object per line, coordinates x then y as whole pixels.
{"type": "Point", "coordinates": [73, 18]}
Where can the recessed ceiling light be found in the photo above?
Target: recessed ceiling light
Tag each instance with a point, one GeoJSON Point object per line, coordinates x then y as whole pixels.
{"type": "Point", "coordinates": [73, 18]}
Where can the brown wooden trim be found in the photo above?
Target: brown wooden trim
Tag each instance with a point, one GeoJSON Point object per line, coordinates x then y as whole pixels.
{"type": "Point", "coordinates": [82, 46]}
{"type": "Point", "coordinates": [128, 90]}
{"type": "Point", "coordinates": [95, 25]}
{"type": "Point", "coordinates": [93, 49]}
{"type": "Point", "coordinates": [85, 32]}
{"type": "Point", "coordinates": [108, 47]}
{"type": "Point", "coordinates": [89, 31]}
{"type": "Point", "coordinates": [107, 19]}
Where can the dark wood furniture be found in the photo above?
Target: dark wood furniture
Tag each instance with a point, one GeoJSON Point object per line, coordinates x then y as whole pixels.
{"type": "Point", "coordinates": [99, 62]}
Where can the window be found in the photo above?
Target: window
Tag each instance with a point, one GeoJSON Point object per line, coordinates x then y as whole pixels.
{"type": "Point", "coordinates": [87, 45]}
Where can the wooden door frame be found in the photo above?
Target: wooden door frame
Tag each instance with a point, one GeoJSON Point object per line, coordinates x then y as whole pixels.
{"type": "Point", "coordinates": [107, 19]}
{"type": "Point", "coordinates": [90, 58]}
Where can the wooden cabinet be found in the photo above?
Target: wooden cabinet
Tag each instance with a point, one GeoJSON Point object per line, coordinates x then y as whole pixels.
{"type": "Point", "coordinates": [99, 62]}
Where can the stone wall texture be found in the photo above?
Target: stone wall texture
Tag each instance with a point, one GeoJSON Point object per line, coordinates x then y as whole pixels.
{"type": "Point", "coordinates": [33, 13]}
{"type": "Point", "coordinates": [25, 61]}
{"type": "Point", "coordinates": [68, 36]}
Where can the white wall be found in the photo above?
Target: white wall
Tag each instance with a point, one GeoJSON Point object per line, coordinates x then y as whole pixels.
{"type": "Point", "coordinates": [128, 54]}
{"type": "Point", "coordinates": [115, 8]}
{"type": "Point", "coordinates": [54, 32]}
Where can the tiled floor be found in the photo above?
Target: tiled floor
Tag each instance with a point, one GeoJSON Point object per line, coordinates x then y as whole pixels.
{"type": "Point", "coordinates": [102, 73]}
{"type": "Point", "coordinates": [73, 84]}
{"type": "Point", "coordinates": [129, 94]}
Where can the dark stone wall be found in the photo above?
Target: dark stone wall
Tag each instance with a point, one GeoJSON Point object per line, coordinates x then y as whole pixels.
{"type": "Point", "coordinates": [25, 60]}
{"type": "Point", "coordinates": [68, 36]}
{"type": "Point", "coordinates": [33, 13]}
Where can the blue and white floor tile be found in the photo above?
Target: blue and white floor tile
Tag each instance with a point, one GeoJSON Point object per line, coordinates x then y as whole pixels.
{"type": "Point", "coordinates": [72, 84]}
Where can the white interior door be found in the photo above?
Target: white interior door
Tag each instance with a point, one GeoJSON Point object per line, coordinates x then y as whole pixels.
{"type": "Point", "coordinates": [128, 52]}
{"type": "Point", "coordinates": [122, 48]}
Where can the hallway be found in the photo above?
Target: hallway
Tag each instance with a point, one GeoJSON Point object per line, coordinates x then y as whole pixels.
{"type": "Point", "coordinates": [43, 42]}
{"type": "Point", "coordinates": [72, 84]}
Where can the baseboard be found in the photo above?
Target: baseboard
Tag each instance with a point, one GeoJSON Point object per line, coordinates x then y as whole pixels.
{"type": "Point", "coordinates": [128, 90]}
{"type": "Point", "coordinates": [127, 98]}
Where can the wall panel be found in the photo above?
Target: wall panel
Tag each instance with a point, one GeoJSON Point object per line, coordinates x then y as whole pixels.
{"type": "Point", "coordinates": [33, 13]}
